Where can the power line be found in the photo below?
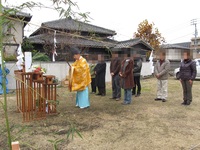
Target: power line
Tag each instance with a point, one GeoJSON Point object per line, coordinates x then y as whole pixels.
{"type": "Point", "coordinates": [184, 24]}
{"type": "Point", "coordinates": [179, 37]}
{"type": "Point", "coordinates": [176, 27]}
{"type": "Point", "coordinates": [176, 30]}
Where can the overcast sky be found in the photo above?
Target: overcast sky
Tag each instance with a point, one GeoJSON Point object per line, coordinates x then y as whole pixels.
{"type": "Point", "coordinates": [172, 17]}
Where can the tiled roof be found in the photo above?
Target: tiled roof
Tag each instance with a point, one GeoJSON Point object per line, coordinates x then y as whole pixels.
{"type": "Point", "coordinates": [17, 13]}
{"type": "Point", "coordinates": [74, 25]}
{"type": "Point", "coordinates": [23, 14]}
{"type": "Point", "coordinates": [131, 43]}
{"type": "Point", "coordinates": [69, 40]}
{"type": "Point", "coordinates": [183, 46]}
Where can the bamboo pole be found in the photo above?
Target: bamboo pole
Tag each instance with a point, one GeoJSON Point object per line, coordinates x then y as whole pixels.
{"type": "Point", "coordinates": [4, 78]}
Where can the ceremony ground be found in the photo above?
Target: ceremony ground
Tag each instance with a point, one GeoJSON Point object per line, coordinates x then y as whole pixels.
{"type": "Point", "coordinates": [108, 125]}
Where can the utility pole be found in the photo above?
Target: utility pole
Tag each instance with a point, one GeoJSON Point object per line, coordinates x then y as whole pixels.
{"type": "Point", "coordinates": [194, 23]}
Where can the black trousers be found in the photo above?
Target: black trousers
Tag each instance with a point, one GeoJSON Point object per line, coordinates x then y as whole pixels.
{"type": "Point", "coordinates": [93, 85]}
{"type": "Point", "coordinates": [187, 90]}
{"type": "Point", "coordinates": [116, 88]}
{"type": "Point", "coordinates": [137, 85]}
{"type": "Point", "coordinates": [102, 90]}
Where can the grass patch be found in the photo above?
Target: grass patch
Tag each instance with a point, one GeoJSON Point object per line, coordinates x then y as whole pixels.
{"type": "Point", "coordinates": [145, 124]}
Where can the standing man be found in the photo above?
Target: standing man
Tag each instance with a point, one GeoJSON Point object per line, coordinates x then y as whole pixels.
{"type": "Point", "coordinates": [115, 66]}
{"type": "Point", "coordinates": [127, 82]}
{"type": "Point", "coordinates": [93, 76]}
{"type": "Point", "coordinates": [161, 72]}
{"type": "Point", "coordinates": [80, 79]}
{"type": "Point", "coordinates": [100, 71]}
{"type": "Point", "coordinates": [136, 73]}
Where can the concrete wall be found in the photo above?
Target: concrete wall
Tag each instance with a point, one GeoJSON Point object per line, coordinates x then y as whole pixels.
{"type": "Point", "coordinates": [60, 70]}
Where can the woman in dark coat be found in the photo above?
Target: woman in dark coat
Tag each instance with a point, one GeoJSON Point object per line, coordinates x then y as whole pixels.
{"type": "Point", "coordinates": [127, 82]}
{"type": "Point", "coordinates": [100, 71]}
{"type": "Point", "coordinates": [187, 75]}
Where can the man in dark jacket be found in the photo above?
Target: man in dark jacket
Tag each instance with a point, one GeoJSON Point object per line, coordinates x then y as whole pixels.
{"type": "Point", "coordinates": [115, 66]}
{"type": "Point", "coordinates": [127, 82]}
{"type": "Point", "coordinates": [187, 74]}
{"type": "Point", "coordinates": [93, 76]}
{"type": "Point", "coordinates": [136, 73]}
{"type": "Point", "coordinates": [100, 72]}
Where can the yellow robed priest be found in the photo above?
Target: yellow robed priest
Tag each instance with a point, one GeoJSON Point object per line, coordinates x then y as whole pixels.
{"type": "Point", "coordinates": [80, 79]}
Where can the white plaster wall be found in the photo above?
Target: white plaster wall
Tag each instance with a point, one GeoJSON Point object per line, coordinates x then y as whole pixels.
{"type": "Point", "coordinates": [60, 70]}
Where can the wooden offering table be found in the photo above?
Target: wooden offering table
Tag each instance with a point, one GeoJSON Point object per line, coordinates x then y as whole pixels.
{"type": "Point", "coordinates": [50, 93]}
{"type": "Point", "coordinates": [36, 95]}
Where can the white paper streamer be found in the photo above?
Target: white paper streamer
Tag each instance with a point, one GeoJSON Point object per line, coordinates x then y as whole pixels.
{"type": "Point", "coordinates": [20, 57]}
{"type": "Point", "coordinates": [55, 46]}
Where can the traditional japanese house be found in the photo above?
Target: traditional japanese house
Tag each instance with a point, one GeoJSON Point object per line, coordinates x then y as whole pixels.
{"type": "Point", "coordinates": [89, 38]}
{"type": "Point", "coordinates": [134, 47]}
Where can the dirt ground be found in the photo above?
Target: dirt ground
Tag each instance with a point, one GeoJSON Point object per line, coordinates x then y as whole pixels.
{"type": "Point", "coordinates": [108, 125]}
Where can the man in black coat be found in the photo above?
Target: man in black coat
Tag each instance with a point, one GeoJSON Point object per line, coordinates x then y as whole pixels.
{"type": "Point", "coordinates": [136, 73]}
{"type": "Point", "coordinates": [100, 71]}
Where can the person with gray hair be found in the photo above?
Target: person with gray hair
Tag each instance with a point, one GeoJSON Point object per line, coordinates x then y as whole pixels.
{"type": "Point", "coordinates": [161, 71]}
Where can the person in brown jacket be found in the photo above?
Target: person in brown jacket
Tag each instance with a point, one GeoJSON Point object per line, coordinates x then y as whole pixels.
{"type": "Point", "coordinates": [115, 66]}
{"type": "Point", "coordinates": [127, 82]}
